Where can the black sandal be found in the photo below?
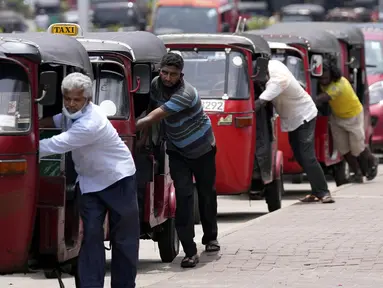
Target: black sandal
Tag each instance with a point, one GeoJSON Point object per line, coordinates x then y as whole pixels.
{"type": "Point", "coordinates": [212, 246]}
{"type": "Point", "coordinates": [190, 262]}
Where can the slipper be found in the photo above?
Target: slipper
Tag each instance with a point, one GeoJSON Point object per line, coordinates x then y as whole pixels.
{"type": "Point", "coordinates": [309, 199]}
{"type": "Point", "coordinates": [212, 246]}
{"type": "Point", "coordinates": [190, 262]}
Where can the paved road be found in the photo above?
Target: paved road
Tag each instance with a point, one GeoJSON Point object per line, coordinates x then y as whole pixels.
{"type": "Point", "coordinates": [234, 211]}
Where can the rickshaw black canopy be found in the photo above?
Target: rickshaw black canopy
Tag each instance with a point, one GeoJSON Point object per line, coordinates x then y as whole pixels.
{"type": "Point", "coordinates": [252, 42]}
{"type": "Point", "coordinates": [45, 47]}
{"type": "Point", "coordinates": [347, 32]}
{"type": "Point", "coordinates": [140, 46]}
{"type": "Point", "coordinates": [319, 42]}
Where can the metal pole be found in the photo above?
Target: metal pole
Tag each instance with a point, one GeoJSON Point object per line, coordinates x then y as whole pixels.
{"type": "Point", "coordinates": [380, 10]}
{"type": "Point", "coordinates": [83, 13]}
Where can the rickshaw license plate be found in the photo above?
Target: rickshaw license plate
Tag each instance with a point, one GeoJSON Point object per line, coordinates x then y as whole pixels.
{"type": "Point", "coordinates": [213, 105]}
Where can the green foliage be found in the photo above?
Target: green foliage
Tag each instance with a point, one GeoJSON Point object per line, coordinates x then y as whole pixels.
{"type": "Point", "coordinates": [258, 23]}
{"type": "Point", "coordinates": [19, 6]}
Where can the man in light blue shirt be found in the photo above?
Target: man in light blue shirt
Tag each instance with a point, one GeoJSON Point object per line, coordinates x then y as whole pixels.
{"type": "Point", "coordinates": [106, 177]}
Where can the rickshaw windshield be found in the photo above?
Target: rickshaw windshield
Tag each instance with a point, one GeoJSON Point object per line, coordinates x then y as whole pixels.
{"type": "Point", "coordinates": [111, 88]}
{"type": "Point", "coordinates": [295, 65]}
{"type": "Point", "coordinates": [15, 99]}
{"type": "Point", "coordinates": [187, 19]}
{"type": "Point", "coordinates": [376, 92]}
{"type": "Point", "coordinates": [216, 73]}
{"type": "Point", "coordinates": [374, 56]}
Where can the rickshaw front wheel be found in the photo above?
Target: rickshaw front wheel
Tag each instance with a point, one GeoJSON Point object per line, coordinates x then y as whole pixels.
{"type": "Point", "coordinates": [168, 241]}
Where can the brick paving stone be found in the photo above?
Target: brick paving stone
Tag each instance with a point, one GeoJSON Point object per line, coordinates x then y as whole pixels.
{"type": "Point", "coordinates": [304, 245]}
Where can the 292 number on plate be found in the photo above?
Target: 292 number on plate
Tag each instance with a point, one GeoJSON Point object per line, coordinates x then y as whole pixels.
{"type": "Point", "coordinates": [213, 105]}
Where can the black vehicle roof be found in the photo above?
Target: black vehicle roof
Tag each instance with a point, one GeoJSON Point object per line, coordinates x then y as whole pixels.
{"type": "Point", "coordinates": [141, 46]}
{"type": "Point", "coordinates": [375, 25]}
{"type": "Point", "coordinates": [252, 42]}
{"type": "Point", "coordinates": [47, 48]}
{"type": "Point", "coordinates": [320, 41]}
{"type": "Point", "coordinates": [347, 32]}
{"type": "Point", "coordinates": [294, 8]}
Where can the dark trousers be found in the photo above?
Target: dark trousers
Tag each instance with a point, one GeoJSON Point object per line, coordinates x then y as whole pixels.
{"type": "Point", "coordinates": [182, 171]}
{"type": "Point", "coordinates": [120, 199]}
{"type": "Point", "coordinates": [302, 143]}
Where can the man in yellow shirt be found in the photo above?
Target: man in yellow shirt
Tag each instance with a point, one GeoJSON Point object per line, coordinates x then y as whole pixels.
{"type": "Point", "coordinates": [346, 121]}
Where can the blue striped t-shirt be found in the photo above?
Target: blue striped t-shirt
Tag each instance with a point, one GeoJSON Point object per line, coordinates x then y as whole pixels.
{"type": "Point", "coordinates": [188, 129]}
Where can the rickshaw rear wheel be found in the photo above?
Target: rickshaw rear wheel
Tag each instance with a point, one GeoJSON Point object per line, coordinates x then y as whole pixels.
{"type": "Point", "coordinates": [297, 178]}
{"type": "Point", "coordinates": [197, 216]}
{"type": "Point", "coordinates": [273, 193]}
{"type": "Point", "coordinates": [168, 241]}
{"type": "Point", "coordinates": [341, 173]}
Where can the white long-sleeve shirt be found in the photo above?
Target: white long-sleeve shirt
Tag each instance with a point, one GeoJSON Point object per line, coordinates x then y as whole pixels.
{"type": "Point", "coordinates": [101, 158]}
{"type": "Point", "coordinates": [293, 104]}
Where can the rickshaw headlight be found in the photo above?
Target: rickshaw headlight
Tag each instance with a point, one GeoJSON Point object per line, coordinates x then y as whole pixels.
{"type": "Point", "coordinates": [376, 93]}
{"type": "Point", "coordinates": [12, 167]}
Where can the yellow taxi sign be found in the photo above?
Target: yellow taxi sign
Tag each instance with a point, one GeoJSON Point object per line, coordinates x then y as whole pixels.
{"type": "Point", "coordinates": [70, 29]}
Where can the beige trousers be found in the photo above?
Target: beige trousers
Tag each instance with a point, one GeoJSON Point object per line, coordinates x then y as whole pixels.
{"type": "Point", "coordinates": [348, 134]}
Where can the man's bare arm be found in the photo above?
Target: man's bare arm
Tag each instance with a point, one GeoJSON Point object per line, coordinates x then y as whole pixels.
{"type": "Point", "coordinates": [47, 123]}
{"type": "Point", "coordinates": [322, 98]}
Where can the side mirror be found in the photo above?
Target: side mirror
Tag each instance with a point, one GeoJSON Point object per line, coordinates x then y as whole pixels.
{"type": "Point", "coordinates": [225, 27]}
{"type": "Point", "coordinates": [261, 69]}
{"type": "Point", "coordinates": [354, 59]}
{"type": "Point", "coordinates": [142, 24]}
{"type": "Point", "coordinates": [142, 78]}
{"type": "Point", "coordinates": [47, 89]}
{"type": "Point", "coordinates": [316, 65]}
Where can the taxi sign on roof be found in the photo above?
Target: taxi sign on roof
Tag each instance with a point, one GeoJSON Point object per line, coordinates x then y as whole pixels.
{"type": "Point", "coordinates": [70, 29]}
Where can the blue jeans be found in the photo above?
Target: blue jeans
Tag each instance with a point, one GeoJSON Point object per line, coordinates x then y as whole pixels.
{"type": "Point", "coordinates": [120, 200]}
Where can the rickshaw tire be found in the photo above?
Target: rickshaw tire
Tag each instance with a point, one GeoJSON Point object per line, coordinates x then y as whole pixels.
{"type": "Point", "coordinates": [50, 274]}
{"type": "Point", "coordinates": [168, 241]}
{"type": "Point", "coordinates": [196, 214]}
{"type": "Point", "coordinates": [340, 174]}
{"type": "Point", "coordinates": [273, 194]}
{"type": "Point", "coordinates": [297, 178]}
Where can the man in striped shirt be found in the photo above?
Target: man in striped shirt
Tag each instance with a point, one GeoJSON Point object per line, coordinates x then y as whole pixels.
{"type": "Point", "coordinates": [191, 149]}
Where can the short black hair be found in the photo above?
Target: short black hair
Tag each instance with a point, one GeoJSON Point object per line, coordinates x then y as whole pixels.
{"type": "Point", "coordinates": [172, 59]}
{"type": "Point", "coordinates": [330, 63]}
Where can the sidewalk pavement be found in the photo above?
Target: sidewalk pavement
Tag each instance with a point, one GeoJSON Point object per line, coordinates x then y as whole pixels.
{"type": "Point", "coordinates": [301, 246]}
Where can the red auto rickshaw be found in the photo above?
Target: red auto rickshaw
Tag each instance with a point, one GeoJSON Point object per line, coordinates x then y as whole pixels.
{"type": "Point", "coordinates": [38, 214]}
{"type": "Point", "coordinates": [352, 57]}
{"type": "Point", "coordinates": [220, 67]}
{"type": "Point", "coordinates": [124, 64]}
{"type": "Point", "coordinates": [313, 46]}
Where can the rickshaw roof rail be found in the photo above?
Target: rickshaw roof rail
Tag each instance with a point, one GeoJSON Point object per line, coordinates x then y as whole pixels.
{"type": "Point", "coordinates": [47, 48]}
{"type": "Point", "coordinates": [345, 31]}
{"type": "Point", "coordinates": [252, 42]}
{"type": "Point", "coordinates": [280, 45]}
{"type": "Point", "coordinates": [141, 46]}
{"type": "Point", "coordinates": [319, 42]}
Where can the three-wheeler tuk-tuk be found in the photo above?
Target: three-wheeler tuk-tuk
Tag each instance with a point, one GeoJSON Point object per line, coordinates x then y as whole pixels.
{"type": "Point", "coordinates": [352, 57]}
{"type": "Point", "coordinates": [124, 64]}
{"type": "Point", "coordinates": [39, 214]}
{"type": "Point", "coordinates": [302, 12]}
{"type": "Point", "coordinates": [314, 47]}
{"type": "Point", "coordinates": [221, 68]}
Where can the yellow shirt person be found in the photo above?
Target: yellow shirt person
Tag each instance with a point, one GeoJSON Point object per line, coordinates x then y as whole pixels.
{"type": "Point", "coordinates": [344, 102]}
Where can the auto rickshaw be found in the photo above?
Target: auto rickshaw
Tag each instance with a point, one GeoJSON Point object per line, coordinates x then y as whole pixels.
{"type": "Point", "coordinates": [11, 21]}
{"type": "Point", "coordinates": [314, 47]}
{"type": "Point", "coordinates": [351, 40]}
{"type": "Point", "coordinates": [38, 214]}
{"type": "Point", "coordinates": [302, 12]}
{"type": "Point", "coordinates": [124, 64]}
{"type": "Point", "coordinates": [220, 67]}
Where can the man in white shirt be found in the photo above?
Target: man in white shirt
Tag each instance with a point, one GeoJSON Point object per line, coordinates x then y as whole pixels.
{"type": "Point", "coordinates": [298, 113]}
{"type": "Point", "coordinates": [106, 177]}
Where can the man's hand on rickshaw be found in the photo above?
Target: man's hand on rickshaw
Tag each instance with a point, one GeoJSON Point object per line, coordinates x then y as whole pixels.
{"type": "Point", "coordinates": [321, 99]}
{"type": "Point", "coordinates": [258, 104]}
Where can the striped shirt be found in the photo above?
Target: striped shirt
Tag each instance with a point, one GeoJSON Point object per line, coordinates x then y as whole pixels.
{"type": "Point", "coordinates": [188, 129]}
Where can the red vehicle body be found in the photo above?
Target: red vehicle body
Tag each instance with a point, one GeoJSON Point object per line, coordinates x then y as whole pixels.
{"type": "Point", "coordinates": [38, 198]}
{"type": "Point", "coordinates": [247, 146]}
{"type": "Point", "coordinates": [374, 59]}
{"type": "Point", "coordinates": [311, 45]}
{"type": "Point", "coordinates": [194, 16]}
